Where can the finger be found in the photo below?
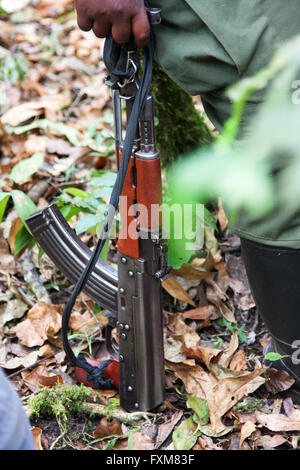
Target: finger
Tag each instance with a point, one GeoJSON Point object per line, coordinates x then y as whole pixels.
{"type": "Point", "coordinates": [101, 29]}
{"type": "Point", "coordinates": [83, 21]}
{"type": "Point", "coordinates": [141, 28]}
{"type": "Point", "coordinates": [121, 32]}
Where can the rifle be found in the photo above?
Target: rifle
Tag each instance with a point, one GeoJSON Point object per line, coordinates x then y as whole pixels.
{"type": "Point", "coordinates": [132, 294]}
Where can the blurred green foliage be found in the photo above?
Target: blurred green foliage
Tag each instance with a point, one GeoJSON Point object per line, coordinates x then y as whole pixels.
{"type": "Point", "coordinates": [240, 170]}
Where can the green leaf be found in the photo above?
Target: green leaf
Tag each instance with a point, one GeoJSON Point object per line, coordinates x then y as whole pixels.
{"type": "Point", "coordinates": [199, 406]}
{"type": "Point", "coordinates": [107, 179]}
{"type": "Point", "coordinates": [24, 205]}
{"type": "Point", "coordinates": [69, 211]}
{"type": "Point", "coordinates": [3, 12]}
{"type": "Point", "coordinates": [23, 239]}
{"type": "Point", "coordinates": [186, 435]}
{"type": "Point", "coordinates": [4, 197]}
{"type": "Point", "coordinates": [87, 222]}
{"type": "Point", "coordinates": [23, 170]}
{"type": "Point", "coordinates": [77, 192]}
{"type": "Point", "coordinates": [272, 356]}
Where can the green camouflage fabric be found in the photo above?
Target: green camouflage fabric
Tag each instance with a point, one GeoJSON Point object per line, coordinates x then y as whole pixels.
{"type": "Point", "coordinates": [206, 46]}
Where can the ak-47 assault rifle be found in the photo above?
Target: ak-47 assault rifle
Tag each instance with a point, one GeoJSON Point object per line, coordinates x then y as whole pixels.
{"type": "Point", "coordinates": [132, 294]}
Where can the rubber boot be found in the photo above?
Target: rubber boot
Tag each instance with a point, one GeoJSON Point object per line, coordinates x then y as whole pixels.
{"type": "Point", "coordinates": [274, 278]}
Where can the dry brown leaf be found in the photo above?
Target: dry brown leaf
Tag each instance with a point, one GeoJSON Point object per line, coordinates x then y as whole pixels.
{"type": "Point", "coordinates": [179, 328]}
{"type": "Point", "coordinates": [238, 361]}
{"type": "Point", "coordinates": [107, 428]}
{"type": "Point", "coordinates": [189, 271]}
{"type": "Point", "coordinates": [191, 376]}
{"type": "Point", "coordinates": [201, 353]}
{"type": "Point", "coordinates": [26, 361]}
{"type": "Point", "coordinates": [7, 261]}
{"type": "Point", "coordinates": [25, 111]}
{"type": "Point", "coordinates": [144, 439]}
{"type": "Point", "coordinates": [278, 380]}
{"type": "Point", "coordinates": [279, 422]}
{"type": "Point", "coordinates": [40, 319]}
{"type": "Point", "coordinates": [207, 263]}
{"type": "Point", "coordinates": [206, 312]}
{"type": "Point", "coordinates": [228, 388]}
{"type": "Point", "coordinates": [165, 429]}
{"type": "Point", "coordinates": [172, 350]}
{"type": "Point", "coordinates": [11, 308]}
{"type": "Point", "coordinates": [221, 390]}
{"type": "Point", "coordinates": [247, 429]}
{"type": "Point", "coordinates": [40, 375]}
{"type": "Point", "coordinates": [270, 442]}
{"type": "Point", "coordinates": [221, 216]}
{"type": "Point", "coordinates": [206, 443]}
{"type": "Point", "coordinates": [228, 353]}
{"type": "Point", "coordinates": [45, 350]}
{"type": "Point", "coordinates": [175, 290]}
{"type": "Point", "coordinates": [82, 321]}
{"type": "Point", "coordinates": [227, 313]}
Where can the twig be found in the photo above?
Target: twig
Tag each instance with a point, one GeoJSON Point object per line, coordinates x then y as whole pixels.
{"type": "Point", "coordinates": [32, 366]}
{"type": "Point", "coordinates": [117, 413]}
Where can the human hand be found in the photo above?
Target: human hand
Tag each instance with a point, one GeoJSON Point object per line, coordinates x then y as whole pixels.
{"type": "Point", "coordinates": [123, 18]}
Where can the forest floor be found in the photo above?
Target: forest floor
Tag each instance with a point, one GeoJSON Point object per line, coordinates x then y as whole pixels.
{"type": "Point", "coordinates": [56, 144]}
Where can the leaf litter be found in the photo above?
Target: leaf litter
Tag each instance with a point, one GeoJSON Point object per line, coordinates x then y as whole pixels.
{"type": "Point", "coordinates": [55, 131]}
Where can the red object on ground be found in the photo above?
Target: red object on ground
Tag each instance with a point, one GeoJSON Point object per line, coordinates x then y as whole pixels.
{"type": "Point", "coordinates": [111, 372]}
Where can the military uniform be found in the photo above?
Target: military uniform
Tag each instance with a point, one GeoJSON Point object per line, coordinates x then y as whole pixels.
{"type": "Point", "coordinates": [207, 45]}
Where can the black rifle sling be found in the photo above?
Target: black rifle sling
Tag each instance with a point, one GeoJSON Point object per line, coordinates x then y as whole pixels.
{"type": "Point", "coordinates": [116, 60]}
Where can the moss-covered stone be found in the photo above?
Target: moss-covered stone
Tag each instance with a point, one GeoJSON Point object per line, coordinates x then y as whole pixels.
{"type": "Point", "coordinates": [180, 128]}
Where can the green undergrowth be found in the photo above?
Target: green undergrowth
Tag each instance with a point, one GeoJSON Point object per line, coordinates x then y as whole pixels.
{"type": "Point", "coordinates": [59, 401]}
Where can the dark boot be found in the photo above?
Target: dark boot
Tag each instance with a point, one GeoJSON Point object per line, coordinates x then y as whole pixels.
{"type": "Point", "coordinates": [274, 278]}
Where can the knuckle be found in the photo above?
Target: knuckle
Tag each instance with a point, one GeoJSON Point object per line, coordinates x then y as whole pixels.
{"type": "Point", "coordinates": [143, 36]}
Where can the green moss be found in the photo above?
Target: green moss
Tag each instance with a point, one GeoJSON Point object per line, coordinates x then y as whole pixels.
{"type": "Point", "coordinates": [59, 401]}
{"type": "Point", "coordinates": [180, 128]}
{"type": "Point", "coordinates": [250, 404]}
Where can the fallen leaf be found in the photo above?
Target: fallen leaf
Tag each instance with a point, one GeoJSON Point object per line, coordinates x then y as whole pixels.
{"type": "Point", "coordinates": [270, 442]}
{"type": "Point", "coordinates": [165, 429]}
{"type": "Point", "coordinates": [144, 439]}
{"type": "Point", "coordinates": [14, 308]}
{"type": "Point", "coordinates": [278, 380]}
{"type": "Point", "coordinates": [206, 443]}
{"type": "Point", "coordinates": [82, 321]}
{"type": "Point", "coordinates": [172, 350]}
{"type": "Point", "coordinates": [189, 271]}
{"type": "Point", "coordinates": [202, 313]}
{"type": "Point", "coordinates": [107, 428]}
{"type": "Point", "coordinates": [221, 390]}
{"type": "Point", "coordinates": [221, 216]}
{"type": "Point", "coordinates": [279, 422]}
{"type": "Point", "coordinates": [175, 290]}
{"type": "Point", "coordinates": [238, 361]}
{"type": "Point", "coordinates": [7, 261]}
{"type": "Point", "coordinates": [185, 436]}
{"type": "Point", "coordinates": [34, 330]}
{"type": "Point", "coordinates": [40, 375]}
{"type": "Point", "coordinates": [25, 111]}
{"type": "Point", "coordinates": [228, 353]}
{"type": "Point", "coordinates": [247, 429]}
{"type": "Point", "coordinates": [16, 362]}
